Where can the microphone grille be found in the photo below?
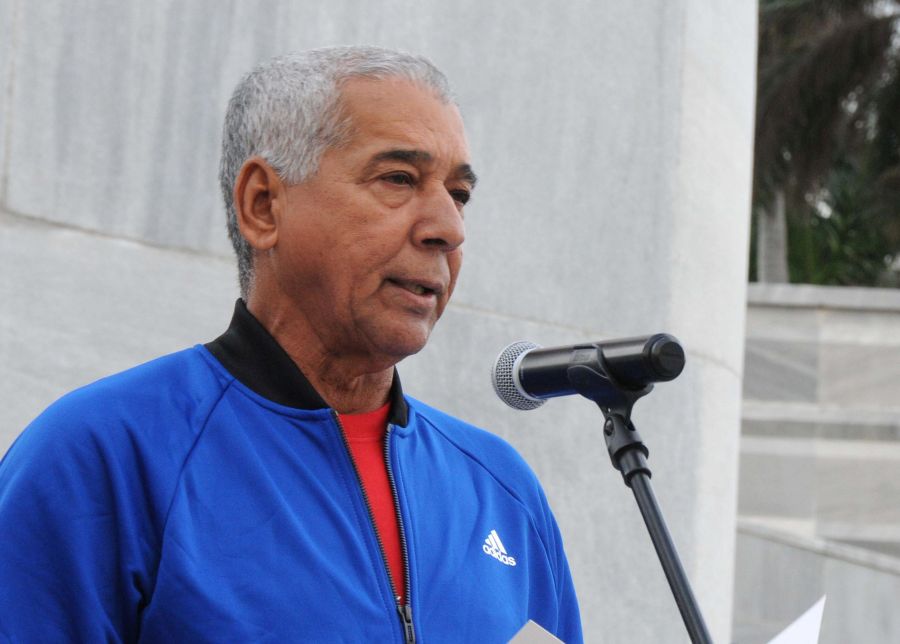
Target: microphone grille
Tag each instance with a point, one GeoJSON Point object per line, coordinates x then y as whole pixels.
{"type": "Point", "coordinates": [504, 379]}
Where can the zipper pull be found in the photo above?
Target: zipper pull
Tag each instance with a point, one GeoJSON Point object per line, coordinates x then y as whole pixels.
{"type": "Point", "coordinates": [405, 611]}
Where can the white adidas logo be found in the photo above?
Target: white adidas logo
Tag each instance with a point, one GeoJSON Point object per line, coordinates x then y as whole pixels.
{"type": "Point", "coordinates": [494, 547]}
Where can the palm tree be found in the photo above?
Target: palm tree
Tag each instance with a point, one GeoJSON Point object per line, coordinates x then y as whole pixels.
{"type": "Point", "coordinates": [828, 98]}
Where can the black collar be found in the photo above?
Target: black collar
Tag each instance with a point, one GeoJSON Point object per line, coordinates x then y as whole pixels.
{"type": "Point", "coordinates": [255, 358]}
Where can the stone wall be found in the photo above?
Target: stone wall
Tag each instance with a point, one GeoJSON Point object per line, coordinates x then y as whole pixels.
{"type": "Point", "coordinates": [613, 141]}
{"type": "Point", "coordinates": [820, 463]}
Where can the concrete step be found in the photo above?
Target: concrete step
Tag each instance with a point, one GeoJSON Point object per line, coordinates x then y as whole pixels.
{"type": "Point", "coordinates": [842, 490]}
{"type": "Point", "coordinates": [808, 420]}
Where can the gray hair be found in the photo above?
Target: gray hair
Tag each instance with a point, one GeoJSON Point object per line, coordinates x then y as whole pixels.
{"type": "Point", "coordinates": [287, 111]}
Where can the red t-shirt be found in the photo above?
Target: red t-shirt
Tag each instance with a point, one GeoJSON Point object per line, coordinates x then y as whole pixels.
{"type": "Point", "coordinates": [365, 435]}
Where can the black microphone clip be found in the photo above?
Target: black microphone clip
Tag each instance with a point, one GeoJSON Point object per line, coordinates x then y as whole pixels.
{"type": "Point", "coordinates": [598, 385]}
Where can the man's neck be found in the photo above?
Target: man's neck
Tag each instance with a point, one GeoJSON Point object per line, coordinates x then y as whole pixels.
{"type": "Point", "coordinates": [350, 384]}
{"type": "Point", "coordinates": [350, 395]}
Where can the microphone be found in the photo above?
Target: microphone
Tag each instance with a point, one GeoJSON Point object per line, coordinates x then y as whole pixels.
{"type": "Point", "coordinates": [525, 375]}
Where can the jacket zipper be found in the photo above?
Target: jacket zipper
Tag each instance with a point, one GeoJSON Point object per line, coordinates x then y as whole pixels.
{"type": "Point", "coordinates": [405, 610]}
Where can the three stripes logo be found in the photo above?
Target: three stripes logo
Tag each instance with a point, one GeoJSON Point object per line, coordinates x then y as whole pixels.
{"type": "Point", "coordinates": [494, 547]}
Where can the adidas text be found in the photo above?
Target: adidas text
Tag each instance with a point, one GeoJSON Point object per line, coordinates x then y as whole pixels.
{"type": "Point", "coordinates": [494, 547]}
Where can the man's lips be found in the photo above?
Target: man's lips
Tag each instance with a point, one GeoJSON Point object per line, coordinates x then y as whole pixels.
{"type": "Point", "coordinates": [420, 287]}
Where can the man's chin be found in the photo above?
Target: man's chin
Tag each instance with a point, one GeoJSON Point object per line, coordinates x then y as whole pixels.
{"type": "Point", "coordinates": [404, 343]}
{"type": "Point", "coordinates": [401, 351]}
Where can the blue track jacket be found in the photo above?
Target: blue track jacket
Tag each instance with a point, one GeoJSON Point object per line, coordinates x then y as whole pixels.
{"type": "Point", "coordinates": [208, 496]}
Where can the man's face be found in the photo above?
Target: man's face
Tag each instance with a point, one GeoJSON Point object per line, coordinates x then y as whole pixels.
{"type": "Point", "coordinates": [370, 246]}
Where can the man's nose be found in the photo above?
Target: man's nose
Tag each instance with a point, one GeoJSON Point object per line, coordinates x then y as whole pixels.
{"type": "Point", "coordinates": [440, 222]}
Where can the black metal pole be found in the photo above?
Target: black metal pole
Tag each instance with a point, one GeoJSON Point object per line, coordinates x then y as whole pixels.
{"type": "Point", "coordinates": [628, 454]}
{"type": "Point", "coordinates": [668, 557]}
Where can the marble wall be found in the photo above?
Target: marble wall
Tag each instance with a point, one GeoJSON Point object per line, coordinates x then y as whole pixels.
{"type": "Point", "coordinates": [834, 347]}
{"type": "Point", "coordinates": [819, 500]}
{"type": "Point", "coordinates": [789, 573]}
{"type": "Point", "coordinates": [613, 141]}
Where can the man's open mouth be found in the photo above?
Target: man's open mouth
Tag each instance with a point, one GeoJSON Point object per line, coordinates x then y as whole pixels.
{"type": "Point", "coordinates": [414, 287]}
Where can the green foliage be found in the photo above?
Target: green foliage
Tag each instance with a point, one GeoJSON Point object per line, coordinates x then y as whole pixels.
{"type": "Point", "coordinates": [828, 136]}
{"type": "Point", "coordinates": [840, 239]}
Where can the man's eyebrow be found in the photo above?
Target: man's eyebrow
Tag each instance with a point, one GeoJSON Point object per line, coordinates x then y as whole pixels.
{"type": "Point", "coordinates": [417, 157]}
{"type": "Point", "coordinates": [466, 173]}
{"type": "Point", "coordinates": [413, 157]}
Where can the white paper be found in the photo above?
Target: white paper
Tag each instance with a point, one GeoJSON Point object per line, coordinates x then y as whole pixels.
{"type": "Point", "coordinates": [805, 629]}
{"type": "Point", "coordinates": [531, 633]}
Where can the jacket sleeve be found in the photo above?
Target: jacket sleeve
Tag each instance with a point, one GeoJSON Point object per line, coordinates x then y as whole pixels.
{"type": "Point", "coordinates": [568, 626]}
{"type": "Point", "coordinates": [75, 536]}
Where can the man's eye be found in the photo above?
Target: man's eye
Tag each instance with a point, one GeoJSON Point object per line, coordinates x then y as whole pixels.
{"type": "Point", "coordinates": [399, 179]}
{"type": "Point", "coordinates": [461, 196]}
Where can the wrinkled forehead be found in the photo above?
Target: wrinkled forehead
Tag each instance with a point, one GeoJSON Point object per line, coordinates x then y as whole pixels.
{"type": "Point", "coordinates": [396, 106]}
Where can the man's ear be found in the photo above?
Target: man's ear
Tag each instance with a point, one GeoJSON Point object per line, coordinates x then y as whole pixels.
{"type": "Point", "coordinates": [258, 198]}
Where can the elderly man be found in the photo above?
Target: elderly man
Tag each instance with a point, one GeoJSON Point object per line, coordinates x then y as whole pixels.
{"type": "Point", "coordinates": [276, 484]}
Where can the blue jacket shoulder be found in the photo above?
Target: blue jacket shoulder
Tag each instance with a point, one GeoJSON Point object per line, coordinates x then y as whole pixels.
{"type": "Point", "coordinates": [492, 452]}
{"type": "Point", "coordinates": [95, 473]}
{"type": "Point", "coordinates": [122, 419]}
{"type": "Point", "coordinates": [170, 389]}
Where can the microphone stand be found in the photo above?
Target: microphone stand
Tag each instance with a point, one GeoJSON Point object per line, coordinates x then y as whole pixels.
{"type": "Point", "coordinates": [629, 455]}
